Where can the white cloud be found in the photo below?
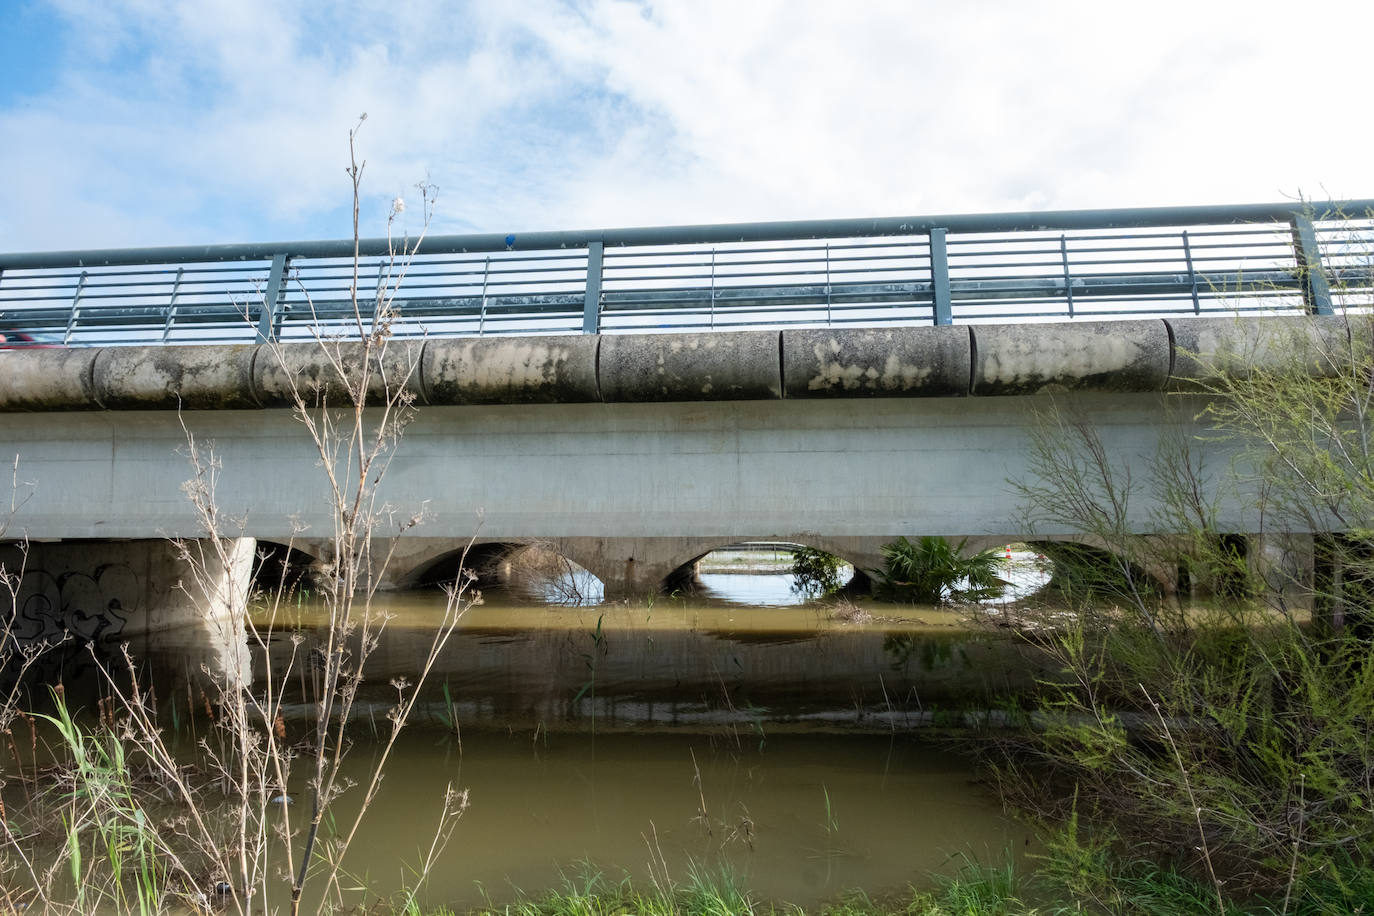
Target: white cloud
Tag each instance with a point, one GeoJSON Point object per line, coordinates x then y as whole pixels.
{"type": "Point", "coordinates": [227, 120]}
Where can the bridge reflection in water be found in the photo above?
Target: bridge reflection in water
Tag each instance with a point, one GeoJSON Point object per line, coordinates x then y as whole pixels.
{"type": "Point", "coordinates": [684, 664]}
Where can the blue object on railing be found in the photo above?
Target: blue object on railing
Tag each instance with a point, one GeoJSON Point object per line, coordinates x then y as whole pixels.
{"type": "Point", "coordinates": [1006, 267]}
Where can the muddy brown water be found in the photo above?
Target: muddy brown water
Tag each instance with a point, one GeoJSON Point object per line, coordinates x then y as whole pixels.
{"type": "Point", "coordinates": [785, 743]}
{"type": "Point", "coordinates": [797, 818]}
{"type": "Point", "coordinates": [789, 744]}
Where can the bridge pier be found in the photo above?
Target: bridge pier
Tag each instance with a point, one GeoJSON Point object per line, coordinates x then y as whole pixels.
{"type": "Point", "coordinates": [142, 592]}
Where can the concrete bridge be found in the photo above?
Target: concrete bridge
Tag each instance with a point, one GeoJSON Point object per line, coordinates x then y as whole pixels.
{"type": "Point", "coordinates": [631, 453]}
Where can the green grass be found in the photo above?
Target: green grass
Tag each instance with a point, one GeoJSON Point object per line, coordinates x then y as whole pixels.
{"type": "Point", "coordinates": [1071, 879]}
{"type": "Point", "coordinates": [976, 891]}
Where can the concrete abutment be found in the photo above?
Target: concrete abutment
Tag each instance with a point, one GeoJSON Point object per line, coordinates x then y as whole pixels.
{"type": "Point", "coordinates": [146, 593]}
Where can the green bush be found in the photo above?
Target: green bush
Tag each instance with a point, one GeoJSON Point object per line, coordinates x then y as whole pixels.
{"type": "Point", "coordinates": [930, 571]}
{"type": "Point", "coordinates": [817, 573]}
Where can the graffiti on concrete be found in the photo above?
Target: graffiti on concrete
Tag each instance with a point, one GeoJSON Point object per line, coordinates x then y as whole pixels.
{"type": "Point", "coordinates": [83, 607]}
{"type": "Point", "coordinates": [62, 624]}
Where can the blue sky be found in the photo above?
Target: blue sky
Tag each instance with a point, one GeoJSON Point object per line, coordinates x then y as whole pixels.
{"type": "Point", "coordinates": [140, 122]}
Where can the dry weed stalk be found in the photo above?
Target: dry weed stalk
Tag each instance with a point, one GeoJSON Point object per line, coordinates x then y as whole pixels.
{"type": "Point", "coordinates": [355, 437]}
{"type": "Point", "coordinates": [231, 838]}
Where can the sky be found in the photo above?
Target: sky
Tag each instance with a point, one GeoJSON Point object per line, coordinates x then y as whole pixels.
{"type": "Point", "coordinates": [148, 122]}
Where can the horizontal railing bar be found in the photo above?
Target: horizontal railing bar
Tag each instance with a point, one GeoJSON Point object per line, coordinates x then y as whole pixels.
{"type": "Point", "coordinates": [1004, 251]}
{"type": "Point", "coordinates": [456, 275]}
{"type": "Point", "coordinates": [621, 254]}
{"type": "Point", "coordinates": [1238, 229]}
{"type": "Point", "coordinates": [704, 234]}
{"type": "Point", "coordinates": [75, 271]}
{"type": "Point", "coordinates": [741, 275]}
{"type": "Point", "coordinates": [963, 289]}
{"type": "Point", "coordinates": [720, 264]}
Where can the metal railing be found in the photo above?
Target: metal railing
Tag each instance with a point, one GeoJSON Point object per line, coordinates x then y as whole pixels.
{"type": "Point", "coordinates": [1266, 258]}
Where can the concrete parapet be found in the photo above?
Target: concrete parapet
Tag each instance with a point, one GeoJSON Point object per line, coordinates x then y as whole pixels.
{"type": "Point", "coordinates": [725, 366]}
{"type": "Point", "coordinates": [1207, 348]}
{"type": "Point", "coordinates": [47, 379]}
{"type": "Point", "coordinates": [912, 361]}
{"type": "Point", "coordinates": [1073, 356]}
{"type": "Point", "coordinates": [926, 361]}
{"type": "Point", "coordinates": [511, 370]}
{"type": "Point", "coordinates": [319, 372]}
{"type": "Point", "coordinates": [194, 377]}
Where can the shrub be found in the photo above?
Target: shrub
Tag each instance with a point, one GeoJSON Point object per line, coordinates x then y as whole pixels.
{"type": "Point", "coordinates": [817, 573]}
{"type": "Point", "coordinates": [930, 571]}
{"type": "Point", "coordinates": [1237, 731]}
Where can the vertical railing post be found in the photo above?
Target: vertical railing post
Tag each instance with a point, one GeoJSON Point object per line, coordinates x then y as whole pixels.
{"type": "Point", "coordinates": [1316, 292]}
{"type": "Point", "coordinates": [939, 278]}
{"type": "Point", "coordinates": [271, 299]}
{"type": "Point", "coordinates": [383, 287]}
{"type": "Point", "coordinates": [76, 308]}
{"type": "Point", "coordinates": [713, 288]}
{"type": "Point", "coordinates": [591, 305]}
{"type": "Point", "coordinates": [172, 305]}
{"type": "Point", "coordinates": [829, 321]}
{"type": "Point", "coordinates": [482, 317]}
{"type": "Point", "coordinates": [1192, 273]}
{"type": "Point", "coordinates": [1068, 277]}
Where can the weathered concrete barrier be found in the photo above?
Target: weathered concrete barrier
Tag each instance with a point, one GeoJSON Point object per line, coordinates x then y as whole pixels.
{"type": "Point", "coordinates": [885, 362]}
{"type": "Point", "coordinates": [726, 366]}
{"type": "Point", "coordinates": [511, 370]}
{"type": "Point", "coordinates": [1074, 356]}
{"type": "Point", "coordinates": [47, 380]}
{"type": "Point", "coordinates": [920, 361]}
{"type": "Point", "coordinates": [1205, 348]}
{"type": "Point", "coordinates": [320, 373]}
{"type": "Point", "coordinates": [196, 378]}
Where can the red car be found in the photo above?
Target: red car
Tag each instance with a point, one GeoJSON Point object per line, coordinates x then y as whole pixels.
{"type": "Point", "coordinates": [22, 340]}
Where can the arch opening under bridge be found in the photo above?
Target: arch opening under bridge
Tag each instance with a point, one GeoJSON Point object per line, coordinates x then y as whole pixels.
{"type": "Point", "coordinates": [537, 571]}
{"type": "Point", "coordinates": [759, 572]}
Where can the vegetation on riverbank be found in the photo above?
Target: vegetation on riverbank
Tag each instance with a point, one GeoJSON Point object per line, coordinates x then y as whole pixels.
{"type": "Point", "coordinates": [1072, 878]}
{"type": "Point", "coordinates": [1232, 743]}
{"type": "Point", "coordinates": [816, 573]}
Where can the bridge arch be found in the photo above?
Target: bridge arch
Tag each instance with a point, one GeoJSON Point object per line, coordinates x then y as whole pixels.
{"type": "Point", "coordinates": [538, 570]}
{"type": "Point", "coordinates": [487, 560]}
{"type": "Point", "coordinates": [1090, 563]}
{"type": "Point", "coordinates": [683, 566]}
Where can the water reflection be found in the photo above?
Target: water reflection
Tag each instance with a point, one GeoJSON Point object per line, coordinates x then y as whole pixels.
{"type": "Point", "coordinates": [671, 664]}
{"type": "Point", "coordinates": [746, 575]}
